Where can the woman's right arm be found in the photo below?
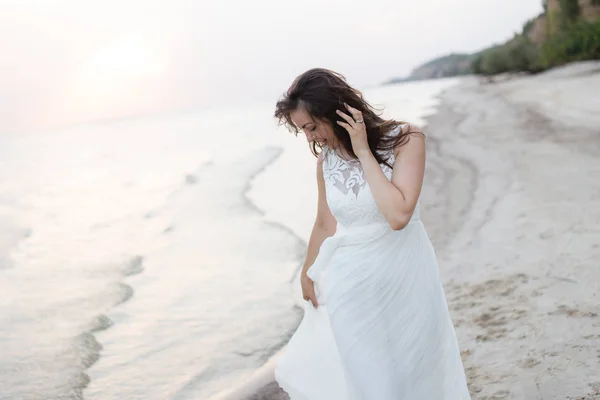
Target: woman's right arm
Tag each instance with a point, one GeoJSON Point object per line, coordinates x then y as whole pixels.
{"type": "Point", "coordinates": [324, 227]}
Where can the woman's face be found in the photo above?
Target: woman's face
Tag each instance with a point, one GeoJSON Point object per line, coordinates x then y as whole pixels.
{"type": "Point", "coordinates": [318, 131]}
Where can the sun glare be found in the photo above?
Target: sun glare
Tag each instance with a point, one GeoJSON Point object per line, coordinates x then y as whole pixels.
{"type": "Point", "coordinates": [127, 58]}
{"type": "Point", "coordinates": [115, 80]}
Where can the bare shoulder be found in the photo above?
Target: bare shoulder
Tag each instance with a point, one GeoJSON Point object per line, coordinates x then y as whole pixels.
{"type": "Point", "coordinates": [415, 140]}
{"type": "Point", "coordinates": [412, 129]}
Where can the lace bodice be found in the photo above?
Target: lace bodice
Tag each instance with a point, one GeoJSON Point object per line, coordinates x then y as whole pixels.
{"type": "Point", "coordinates": [348, 194]}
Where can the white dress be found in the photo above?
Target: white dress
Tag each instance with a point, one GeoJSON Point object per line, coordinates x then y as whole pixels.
{"type": "Point", "coordinates": [382, 330]}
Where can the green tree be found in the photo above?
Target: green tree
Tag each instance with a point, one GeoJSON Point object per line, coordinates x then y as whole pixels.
{"type": "Point", "coordinates": [569, 11]}
{"type": "Point", "coordinates": [529, 25]}
{"type": "Point", "coordinates": [476, 64]}
{"type": "Point", "coordinates": [579, 41]}
{"type": "Point", "coordinates": [522, 54]}
{"type": "Point", "coordinates": [516, 55]}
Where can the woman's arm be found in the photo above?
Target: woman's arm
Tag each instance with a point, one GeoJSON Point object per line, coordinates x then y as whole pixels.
{"type": "Point", "coordinates": [396, 200]}
{"type": "Point", "coordinates": [325, 223]}
{"type": "Point", "coordinates": [325, 226]}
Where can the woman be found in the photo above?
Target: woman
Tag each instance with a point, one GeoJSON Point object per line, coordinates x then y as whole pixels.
{"type": "Point", "coordinates": [378, 327]}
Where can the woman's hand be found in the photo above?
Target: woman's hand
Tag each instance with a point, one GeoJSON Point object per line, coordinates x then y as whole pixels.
{"type": "Point", "coordinates": [356, 129]}
{"type": "Point", "coordinates": [308, 289]}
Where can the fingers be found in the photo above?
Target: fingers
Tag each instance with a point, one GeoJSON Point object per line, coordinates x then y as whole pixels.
{"type": "Point", "coordinates": [351, 120]}
{"type": "Point", "coordinates": [313, 298]}
{"type": "Point", "coordinates": [310, 293]}
{"type": "Point", "coordinates": [356, 114]}
{"type": "Point", "coordinates": [345, 116]}
{"type": "Point", "coordinates": [346, 126]}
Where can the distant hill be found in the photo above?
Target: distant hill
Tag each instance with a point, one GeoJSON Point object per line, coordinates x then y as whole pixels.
{"type": "Point", "coordinates": [566, 31]}
{"type": "Point", "coordinates": [442, 67]}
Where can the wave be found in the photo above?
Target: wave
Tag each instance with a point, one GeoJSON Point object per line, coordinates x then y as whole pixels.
{"type": "Point", "coordinates": [263, 376]}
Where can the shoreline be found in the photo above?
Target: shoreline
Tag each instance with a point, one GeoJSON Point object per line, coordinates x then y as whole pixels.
{"type": "Point", "coordinates": [509, 205]}
{"type": "Point", "coordinates": [261, 384]}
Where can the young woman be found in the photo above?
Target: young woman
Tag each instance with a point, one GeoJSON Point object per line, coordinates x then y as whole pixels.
{"type": "Point", "coordinates": [376, 323]}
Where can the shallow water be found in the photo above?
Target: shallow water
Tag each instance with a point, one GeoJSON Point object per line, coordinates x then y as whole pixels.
{"type": "Point", "coordinates": [155, 258]}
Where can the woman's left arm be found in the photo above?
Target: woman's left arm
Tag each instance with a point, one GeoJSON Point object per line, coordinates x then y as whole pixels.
{"type": "Point", "coordinates": [396, 200]}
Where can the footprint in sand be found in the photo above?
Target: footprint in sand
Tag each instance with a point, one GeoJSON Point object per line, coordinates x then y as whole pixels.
{"type": "Point", "coordinates": [573, 312]}
{"type": "Point", "coordinates": [529, 362]}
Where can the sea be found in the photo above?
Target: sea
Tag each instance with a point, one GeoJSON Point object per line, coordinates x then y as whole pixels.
{"type": "Point", "coordinates": [157, 257]}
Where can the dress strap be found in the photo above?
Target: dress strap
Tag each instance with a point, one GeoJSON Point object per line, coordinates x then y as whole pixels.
{"type": "Point", "coordinates": [397, 129]}
{"type": "Point", "coordinates": [322, 155]}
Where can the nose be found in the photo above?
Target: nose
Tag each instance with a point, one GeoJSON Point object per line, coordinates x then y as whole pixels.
{"type": "Point", "coordinates": [309, 137]}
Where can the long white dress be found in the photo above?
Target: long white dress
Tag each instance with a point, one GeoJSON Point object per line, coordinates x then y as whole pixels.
{"type": "Point", "coordinates": [382, 330]}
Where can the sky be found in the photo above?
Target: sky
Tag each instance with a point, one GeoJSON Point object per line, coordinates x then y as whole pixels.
{"type": "Point", "coordinates": [71, 61]}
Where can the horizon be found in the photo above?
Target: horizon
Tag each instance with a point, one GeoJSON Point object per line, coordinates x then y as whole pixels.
{"type": "Point", "coordinates": [69, 63]}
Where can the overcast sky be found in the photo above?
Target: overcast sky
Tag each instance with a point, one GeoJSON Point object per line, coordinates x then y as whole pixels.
{"type": "Point", "coordinates": [65, 61]}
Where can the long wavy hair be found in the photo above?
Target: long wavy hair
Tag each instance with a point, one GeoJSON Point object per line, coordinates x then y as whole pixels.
{"type": "Point", "coordinates": [321, 92]}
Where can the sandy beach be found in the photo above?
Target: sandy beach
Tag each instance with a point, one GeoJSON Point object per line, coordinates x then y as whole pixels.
{"type": "Point", "coordinates": [512, 204]}
{"type": "Point", "coordinates": [515, 177]}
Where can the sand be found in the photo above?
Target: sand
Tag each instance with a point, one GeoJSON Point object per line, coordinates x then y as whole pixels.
{"type": "Point", "coordinates": [515, 179]}
{"type": "Point", "coordinates": [512, 204]}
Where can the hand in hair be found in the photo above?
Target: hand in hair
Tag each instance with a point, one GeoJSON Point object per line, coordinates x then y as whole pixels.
{"type": "Point", "coordinates": [356, 129]}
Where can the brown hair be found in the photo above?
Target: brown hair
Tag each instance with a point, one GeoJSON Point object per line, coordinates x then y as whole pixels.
{"type": "Point", "coordinates": [321, 92]}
